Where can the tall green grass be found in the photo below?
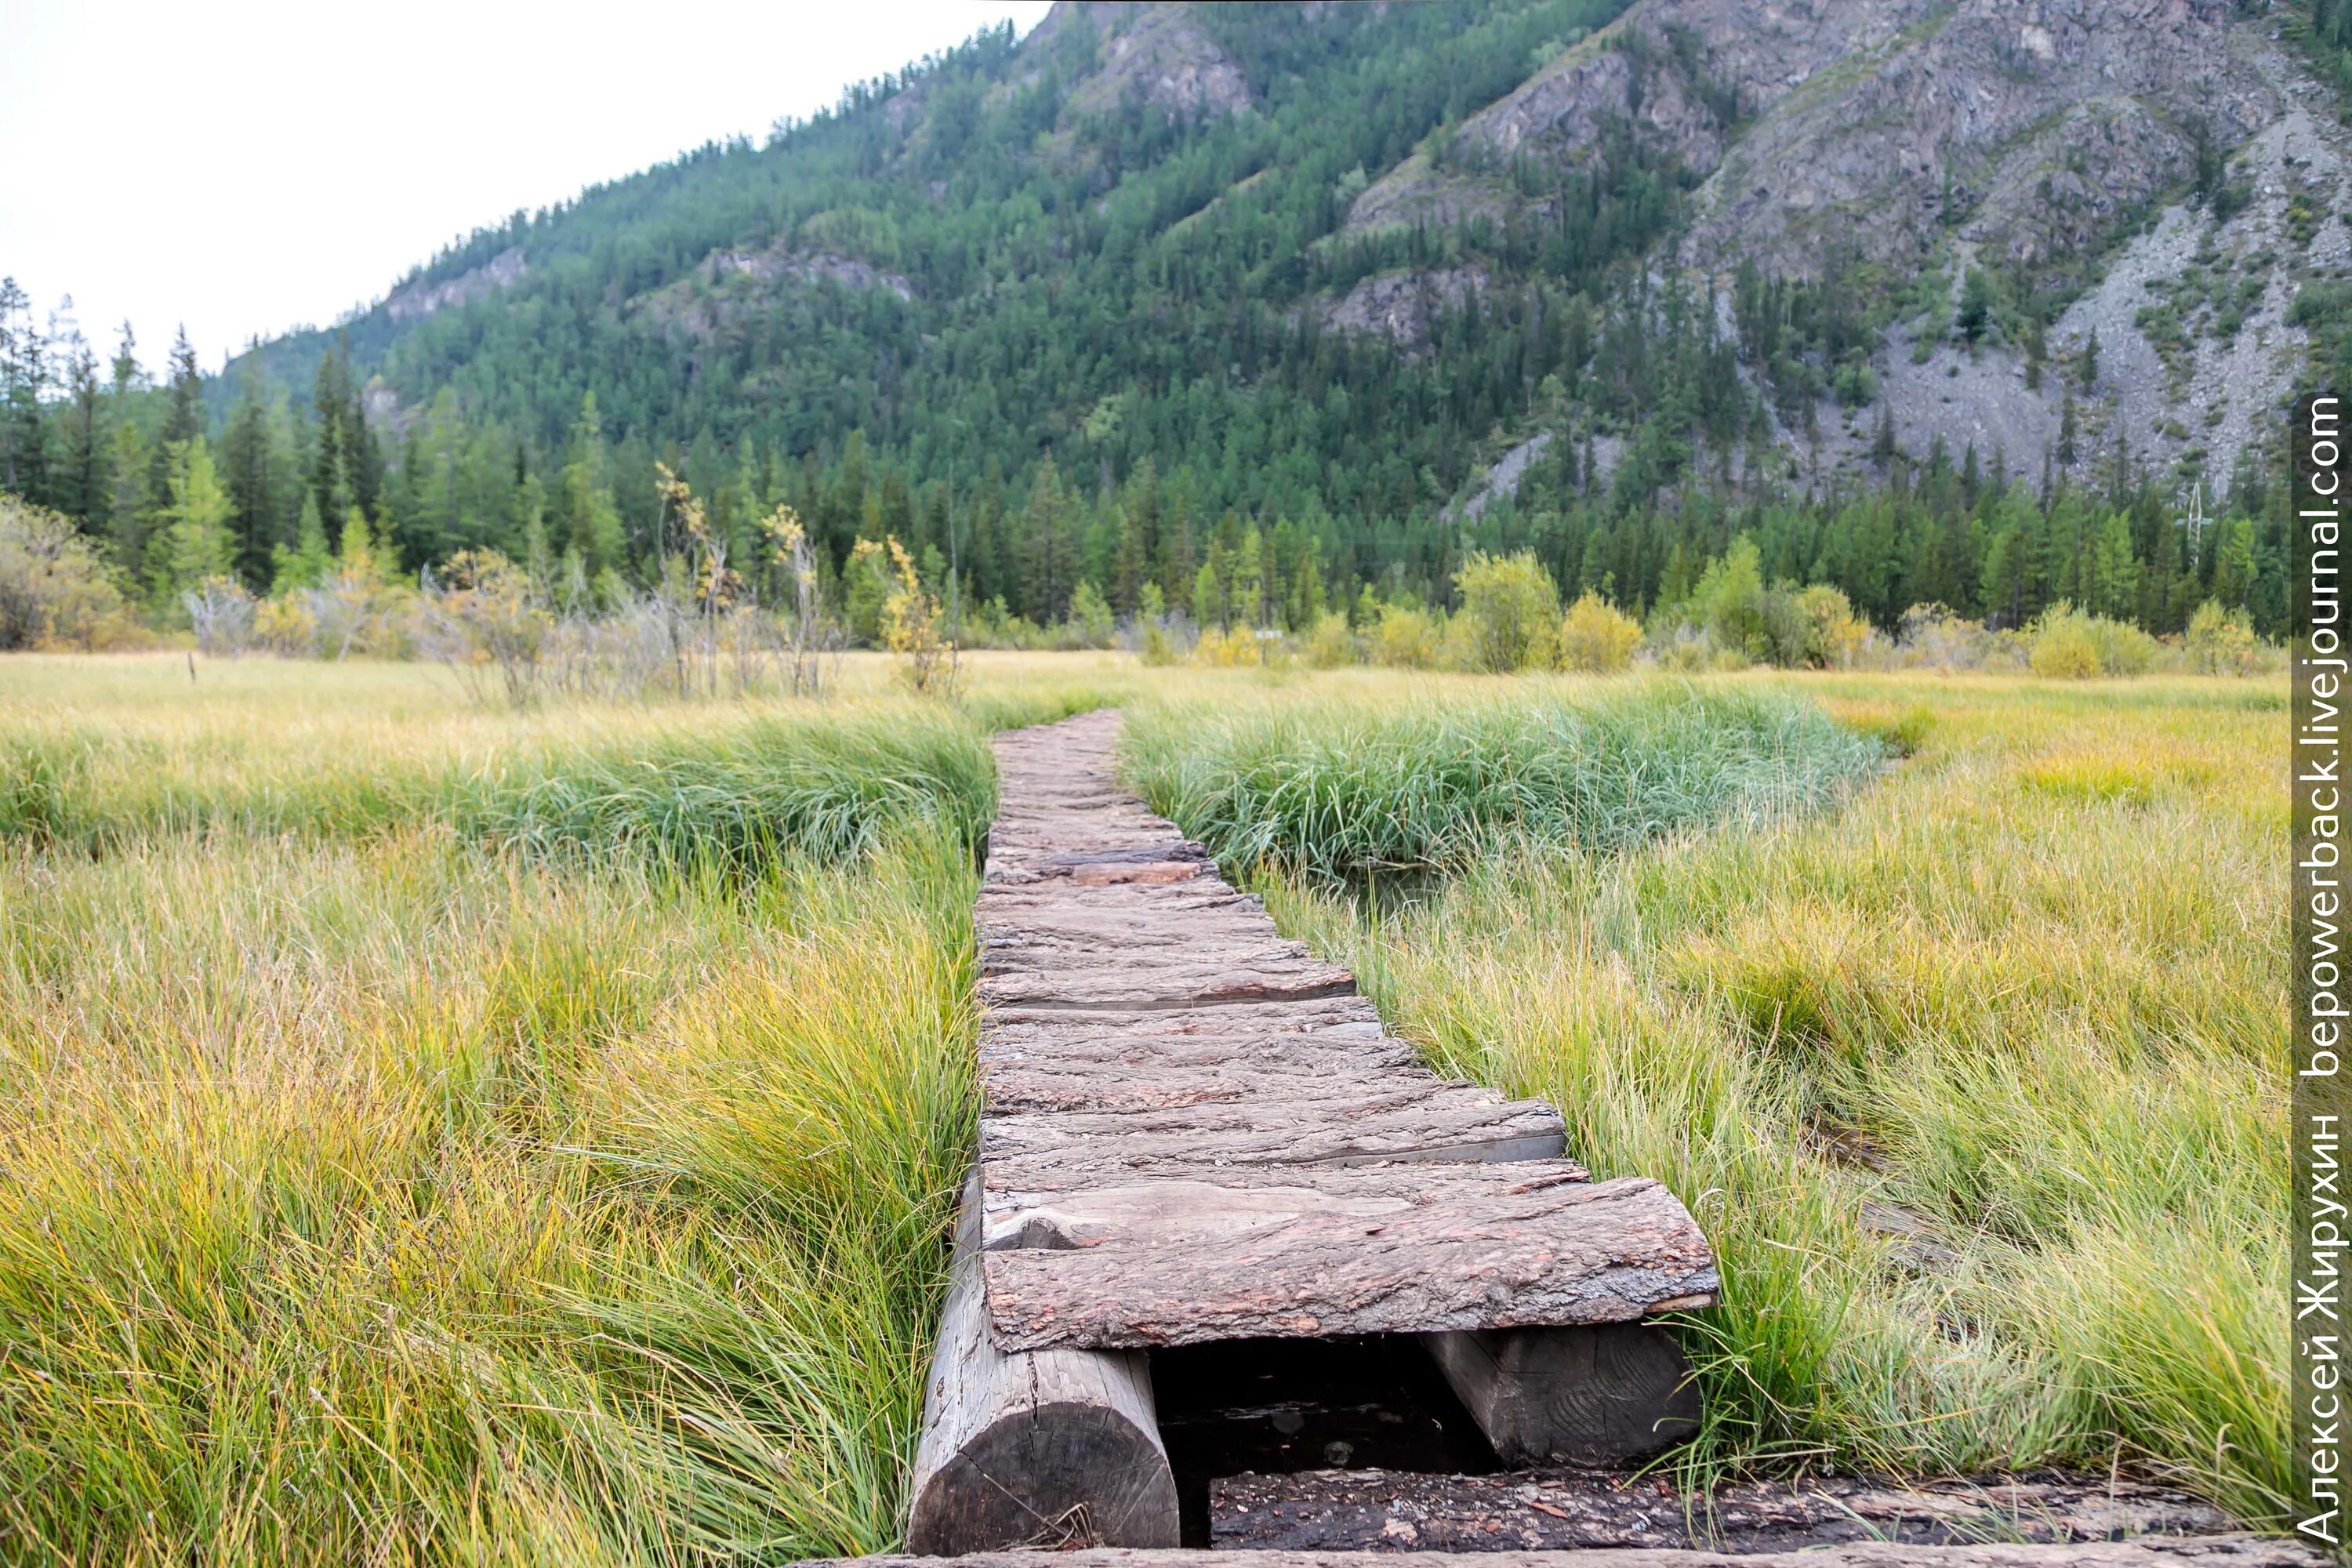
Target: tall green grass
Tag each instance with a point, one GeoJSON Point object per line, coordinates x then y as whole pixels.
{"type": "Point", "coordinates": [393, 1202]}
{"type": "Point", "coordinates": [2045, 1026]}
{"type": "Point", "coordinates": [1437, 783]}
{"type": "Point", "coordinates": [735, 788]}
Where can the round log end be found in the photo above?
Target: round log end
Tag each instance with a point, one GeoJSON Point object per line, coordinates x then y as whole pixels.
{"type": "Point", "coordinates": [1058, 1475]}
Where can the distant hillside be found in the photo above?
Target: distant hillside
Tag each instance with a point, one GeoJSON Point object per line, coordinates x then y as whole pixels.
{"type": "Point", "coordinates": [1610, 281]}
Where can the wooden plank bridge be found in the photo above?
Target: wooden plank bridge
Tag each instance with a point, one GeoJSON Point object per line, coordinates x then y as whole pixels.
{"type": "Point", "coordinates": [1194, 1131]}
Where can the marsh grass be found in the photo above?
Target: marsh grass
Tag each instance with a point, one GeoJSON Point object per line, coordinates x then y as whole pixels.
{"type": "Point", "coordinates": [433, 1135]}
{"type": "Point", "coordinates": [384, 1183]}
{"type": "Point", "coordinates": [2027, 990]}
{"type": "Point", "coordinates": [720, 786]}
{"type": "Point", "coordinates": [368, 1203]}
{"type": "Point", "coordinates": [1439, 781]}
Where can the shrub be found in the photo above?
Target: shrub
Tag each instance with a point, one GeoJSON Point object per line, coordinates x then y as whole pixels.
{"type": "Point", "coordinates": [1406, 637]}
{"type": "Point", "coordinates": [2220, 641]}
{"type": "Point", "coordinates": [1230, 648]}
{"type": "Point", "coordinates": [1597, 638]}
{"type": "Point", "coordinates": [221, 615]}
{"type": "Point", "coordinates": [1159, 644]}
{"type": "Point", "coordinates": [1510, 613]}
{"type": "Point", "coordinates": [54, 588]}
{"type": "Point", "coordinates": [912, 620]}
{"type": "Point", "coordinates": [1728, 603]}
{"type": "Point", "coordinates": [486, 615]}
{"type": "Point", "coordinates": [2123, 649]}
{"type": "Point", "coordinates": [1091, 622]}
{"type": "Point", "coordinates": [1834, 635]}
{"type": "Point", "coordinates": [2063, 648]}
{"type": "Point", "coordinates": [2068, 645]}
{"type": "Point", "coordinates": [1931, 635]}
{"type": "Point", "coordinates": [1331, 643]}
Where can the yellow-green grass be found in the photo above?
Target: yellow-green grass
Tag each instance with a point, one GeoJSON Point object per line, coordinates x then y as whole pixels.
{"type": "Point", "coordinates": [400, 1195]}
{"type": "Point", "coordinates": [259, 747]}
{"type": "Point", "coordinates": [2026, 992]}
{"type": "Point", "coordinates": [374, 1191]}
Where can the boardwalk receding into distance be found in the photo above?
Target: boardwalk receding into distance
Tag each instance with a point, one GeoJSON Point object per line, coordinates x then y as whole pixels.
{"type": "Point", "coordinates": [1194, 1131]}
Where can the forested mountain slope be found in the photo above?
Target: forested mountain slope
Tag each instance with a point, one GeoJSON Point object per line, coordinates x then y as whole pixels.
{"type": "Point", "coordinates": [1938, 299]}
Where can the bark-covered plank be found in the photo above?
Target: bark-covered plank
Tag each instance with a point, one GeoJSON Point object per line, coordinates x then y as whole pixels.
{"type": "Point", "coordinates": [1146, 988]}
{"type": "Point", "coordinates": [1450, 1122]}
{"type": "Point", "coordinates": [1373, 1249]}
{"type": "Point", "coordinates": [1206, 1018]}
{"type": "Point", "coordinates": [1015, 1087]}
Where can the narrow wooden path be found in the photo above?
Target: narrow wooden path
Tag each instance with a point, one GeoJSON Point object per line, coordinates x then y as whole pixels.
{"type": "Point", "coordinates": [1193, 1130]}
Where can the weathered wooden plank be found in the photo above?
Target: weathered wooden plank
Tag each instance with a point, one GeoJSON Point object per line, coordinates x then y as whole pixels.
{"type": "Point", "coordinates": [2145, 1551]}
{"type": "Point", "coordinates": [1601, 1394]}
{"type": "Point", "coordinates": [1042, 1447]}
{"type": "Point", "coordinates": [1448, 1121]}
{"type": "Point", "coordinates": [1083, 971]}
{"type": "Point", "coordinates": [1082, 1062]}
{"type": "Point", "coordinates": [1015, 1087]}
{"type": "Point", "coordinates": [1371, 1249]}
{"type": "Point", "coordinates": [1057, 937]}
{"type": "Point", "coordinates": [1210, 1018]}
{"type": "Point", "coordinates": [1383, 1511]}
{"type": "Point", "coordinates": [1155, 988]}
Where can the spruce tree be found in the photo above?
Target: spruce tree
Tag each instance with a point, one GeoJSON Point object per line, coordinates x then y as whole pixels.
{"type": "Point", "coordinates": [247, 461]}
{"type": "Point", "coordinates": [81, 482]}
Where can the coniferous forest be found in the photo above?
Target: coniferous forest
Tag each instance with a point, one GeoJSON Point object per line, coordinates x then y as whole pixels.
{"type": "Point", "coordinates": [1071, 347]}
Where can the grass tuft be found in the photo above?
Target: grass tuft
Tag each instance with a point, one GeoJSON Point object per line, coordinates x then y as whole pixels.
{"type": "Point", "coordinates": [1348, 790]}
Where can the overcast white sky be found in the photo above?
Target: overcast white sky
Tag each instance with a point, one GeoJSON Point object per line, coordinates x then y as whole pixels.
{"type": "Point", "coordinates": [257, 164]}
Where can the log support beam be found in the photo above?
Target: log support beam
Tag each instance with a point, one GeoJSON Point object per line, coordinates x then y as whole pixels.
{"type": "Point", "coordinates": [1051, 1448]}
{"type": "Point", "coordinates": [1602, 1393]}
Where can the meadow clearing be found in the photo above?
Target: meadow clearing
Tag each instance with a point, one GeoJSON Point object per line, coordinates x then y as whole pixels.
{"type": "Point", "coordinates": [433, 1133]}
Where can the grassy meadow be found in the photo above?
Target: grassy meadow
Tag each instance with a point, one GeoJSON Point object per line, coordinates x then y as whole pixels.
{"type": "Point", "coordinates": [429, 1133]}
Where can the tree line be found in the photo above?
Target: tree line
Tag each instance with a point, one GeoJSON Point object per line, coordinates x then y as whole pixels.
{"type": "Point", "coordinates": [1060, 351]}
{"type": "Point", "coordinates": [266, 493]}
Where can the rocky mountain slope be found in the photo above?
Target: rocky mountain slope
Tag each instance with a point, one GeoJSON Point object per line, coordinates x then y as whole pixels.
{"type": "Point", "coordinates": [2053, 140]}
{"type": "Point", "coordinates": [2049, 228]}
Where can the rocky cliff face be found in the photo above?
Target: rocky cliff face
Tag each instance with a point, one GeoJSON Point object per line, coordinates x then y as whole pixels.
{"type": "Point", "coordinates": [2028, 127]}
{"type": "Point", "coordinates": [419, 300]}
{"type": "Point", "coordinates": [2031, 126]}
{"type": "Point", "coordinates": [1156, 55]}
{"type": "Point", "coordinates": [2021, 136]}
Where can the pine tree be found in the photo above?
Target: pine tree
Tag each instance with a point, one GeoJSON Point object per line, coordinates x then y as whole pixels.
{"type": "Point", "coordinates": [1053, 565]}
{"type": "Point", "coordinates": [183, 419]}
{"type": "Point", "coordinates": [330, 489]}
{"type": "Point", "coordinates": [1130, 567]}
{"type": "Point", "coordinates": [2234, 562]}
{"type": "Point", "coordinates": [2115, 569]}
{"type": "Point", "coordinates": [23, 380]}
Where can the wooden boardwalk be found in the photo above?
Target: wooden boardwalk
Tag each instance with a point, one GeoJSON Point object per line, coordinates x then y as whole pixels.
{"type": "Point", "coordinates": [1194, 1129]}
